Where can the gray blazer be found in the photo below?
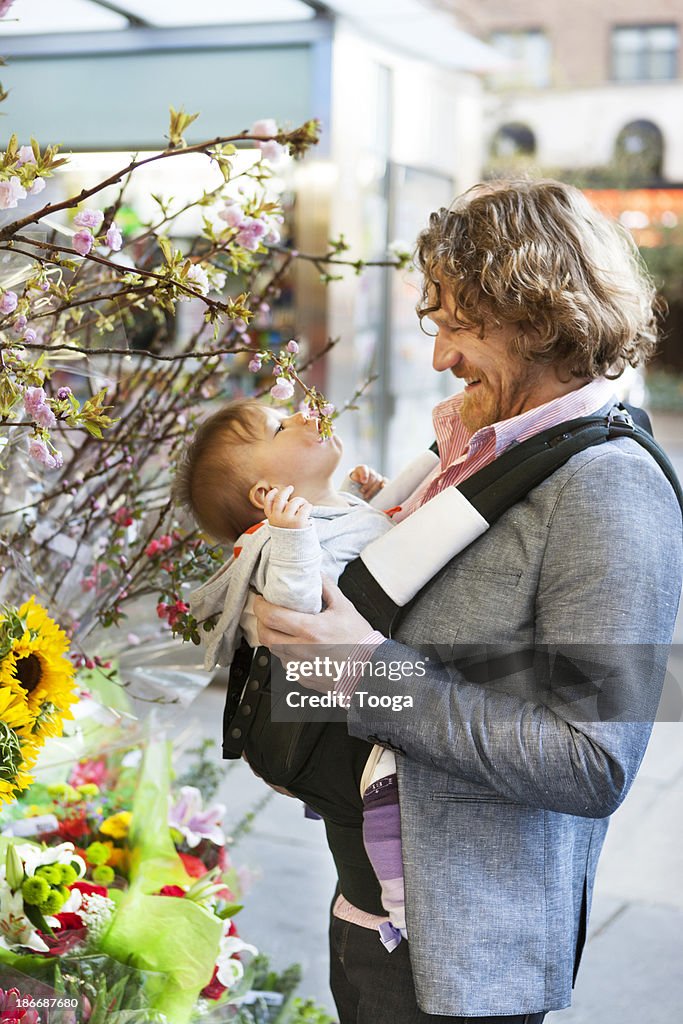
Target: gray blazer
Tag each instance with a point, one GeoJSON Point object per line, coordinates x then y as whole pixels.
{"type": "Point", "coordinates": [506, 787]}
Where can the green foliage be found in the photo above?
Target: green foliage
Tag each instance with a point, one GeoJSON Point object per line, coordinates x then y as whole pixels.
{"type": "Point", "coordinates": [179, 123]}
{"type": "Point", "coordinates": [665, 263]}
{"type": "Point", "coordinates": [204, 772]}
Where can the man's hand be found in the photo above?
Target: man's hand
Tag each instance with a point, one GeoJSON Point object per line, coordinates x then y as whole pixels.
{"type": "Point", "coordinates": [295, 636]}
{"type": "Point", "coordinates": [284, 509]}
{"type": "Point", "coordinates": [369, 480]}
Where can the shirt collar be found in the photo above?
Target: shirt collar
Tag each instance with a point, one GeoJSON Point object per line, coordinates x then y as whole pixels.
{"type": "Point", "coordinates": [584, 401]}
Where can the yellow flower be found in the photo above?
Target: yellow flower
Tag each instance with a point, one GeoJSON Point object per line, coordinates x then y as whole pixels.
{"type": "Point", "coordinates": [17, 758]}
{"type": "Point", "coordinates": [117, 825]}
{"type": "Point", "coordinates": [13, 707]}
{"type": "Point", "coordinates": [38, 667]}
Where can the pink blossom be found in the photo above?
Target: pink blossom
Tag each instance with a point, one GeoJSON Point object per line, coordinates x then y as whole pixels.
{"type": "Point", "coordinates": [114, 238]}
{"type": "Point", "coordinates": [8, 301]}
{"type": "Point", "coordinates": [272, 236]}
{"type": "Point", "coordinates": [271, 150]}
{"type": "Point", "coordinates": [158, 545]}
{"type": "Point", "coordinates": [4, 8]}
{"type": "Point", "coordinates": [162, 609]}
{"type": "Point", "coordinates": [283, 390]}
{"type": "Point", "coordinates": [266, 126]}
{"type": "Point", "coordinates": [10, 193]}
{"type": "Point", "coordinates": [250, 233]}
{"type": "Point", "coordinates": [292, 347]}
{"type": "Point", "coordinates": [34, 398]}
{"type": "Point", "coordinates": [232, 214]}
{"type": "Point", "coordinates": [122, 517]}
{"type": "Point", "coordinates": [37, 186]}
{"type": "Point", "coordinates": [255, 364]}
{"type": "Point", "coordinates": [39, 451]}
{"type": "Point", "coordinates": [63, 393]}
{"type": "Point", "coordinates": [25, 156]}
{"type": "Point", "coordinates": [45, 417]}
{"type": "Point", "coordinates": [82, 242]}
{"type": "Point", "coordinates": [30, 336]}
{"type": "Point", "coordinates": [89, 772]}
{"type": "Point", "coordinates": [89, 219]}
{"type": "Point", "coordinates": [19, 324]}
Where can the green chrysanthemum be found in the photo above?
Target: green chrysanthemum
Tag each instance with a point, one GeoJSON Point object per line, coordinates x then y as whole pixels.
{"type": "Point", "coordinates": [68, 875]}
{"type": "Point", "coordinates": [53, 902]}
{"type": "Point", "coordinates": [35, 890]}
{"type": "Point", "coordinates": [97, 853]}
{"type": "Point", "coordinates": [51, 873]}
{"type": "Point", "coordinates": [103, 875]}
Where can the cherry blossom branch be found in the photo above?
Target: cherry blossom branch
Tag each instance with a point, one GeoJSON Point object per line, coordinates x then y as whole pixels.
{"type": "Point", "coordinates": [201, 147]}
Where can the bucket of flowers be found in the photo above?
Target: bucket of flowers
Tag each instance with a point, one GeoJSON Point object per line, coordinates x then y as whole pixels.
{"type": "Point", "coordinates": [146, 935]}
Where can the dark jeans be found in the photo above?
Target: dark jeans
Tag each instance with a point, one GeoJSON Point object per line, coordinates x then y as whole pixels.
{"type": "Point", "coordinates": [372, 986]}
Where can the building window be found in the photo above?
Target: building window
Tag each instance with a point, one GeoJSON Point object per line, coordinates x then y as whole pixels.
{"type": "Point", "coordinates": [529, 53]}
{"type": "Point", "coordinates": [513, 140]}
{"type": "Point", "coordinates": [639, 152]}
{"type": "Point", "coordinates": [644, 53]}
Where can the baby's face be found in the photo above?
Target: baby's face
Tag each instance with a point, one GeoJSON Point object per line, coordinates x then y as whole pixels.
{"type": "Point", "coordinates": [289, 451]}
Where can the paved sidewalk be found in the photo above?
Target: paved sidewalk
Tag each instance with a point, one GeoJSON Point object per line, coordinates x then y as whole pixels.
{"type": "Point", "coordinates": [631, 971]}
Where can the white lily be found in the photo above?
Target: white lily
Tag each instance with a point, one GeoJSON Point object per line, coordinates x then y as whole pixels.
{"type": "Point", "coordinates": [230, 971]}
{"type": "Point", "coordinates": [15, 928]}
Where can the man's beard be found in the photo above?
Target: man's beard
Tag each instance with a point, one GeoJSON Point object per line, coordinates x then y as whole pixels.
{"type": "Point", "coordinates": [479, 408]}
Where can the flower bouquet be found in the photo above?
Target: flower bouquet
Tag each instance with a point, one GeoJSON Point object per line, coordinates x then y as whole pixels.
{"type": "Point", "coordinates": [158, 928]}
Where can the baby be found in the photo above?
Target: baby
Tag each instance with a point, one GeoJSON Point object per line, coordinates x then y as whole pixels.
{"type": "Point", "coordinates": [264, 483]}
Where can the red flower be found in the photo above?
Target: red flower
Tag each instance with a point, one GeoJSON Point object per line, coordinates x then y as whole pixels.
{"type": "Point", "coordinates": [214, 990]}
{"type": "Point", "coordinates": [65, 940]}
{"type": "Point", "coordinates": [193, 865]}
{"type": "Point", "coordinates": [89, 889]}
{"type": "Point", "coordinates": [123, 517]}
{"type": "Point", "coordinates": [70, 920]}
{"type": "Point", "coordinates": [73, 828]}
{"type": "Point", "coordinates": [171, 890]}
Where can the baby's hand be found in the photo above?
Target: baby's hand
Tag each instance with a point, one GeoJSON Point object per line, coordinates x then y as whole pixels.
{"type": "Point", "coordinates": [371, 482]}
{"type": "Point", "coordinates": [285, 510]}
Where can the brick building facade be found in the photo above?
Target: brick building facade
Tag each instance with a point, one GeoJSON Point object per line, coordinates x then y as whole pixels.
{"type": "Point", "coordinates": [593, 87]}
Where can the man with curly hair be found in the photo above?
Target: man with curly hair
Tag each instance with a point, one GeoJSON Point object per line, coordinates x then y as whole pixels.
{"type": "Point", "coordinates": [546, 638]}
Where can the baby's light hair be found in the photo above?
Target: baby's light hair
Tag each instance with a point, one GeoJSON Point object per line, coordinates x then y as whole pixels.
{"type": "Point", "coordinates": [538, 254]}
{"type": "Point", "coordinates": [212, 480]}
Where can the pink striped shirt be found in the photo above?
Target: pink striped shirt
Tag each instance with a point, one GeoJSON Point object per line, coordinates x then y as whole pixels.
{"type": "Point", "coordinates": [462, 454]}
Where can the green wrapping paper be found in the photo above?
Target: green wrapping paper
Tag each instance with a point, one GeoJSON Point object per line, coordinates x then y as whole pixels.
{"type": "Point", "coordinates": [175, 937]}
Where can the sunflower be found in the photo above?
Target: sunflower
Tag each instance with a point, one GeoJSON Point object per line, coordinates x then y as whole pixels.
{"type": "Point", "coordinates": [34, 664]}
{"type": "Point", "coordinates": [17, 752]}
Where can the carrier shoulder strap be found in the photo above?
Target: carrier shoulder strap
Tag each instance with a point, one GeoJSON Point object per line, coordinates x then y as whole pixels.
{"type": "Point", "coordinates": [493, 490]}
